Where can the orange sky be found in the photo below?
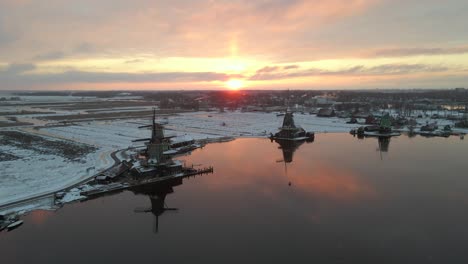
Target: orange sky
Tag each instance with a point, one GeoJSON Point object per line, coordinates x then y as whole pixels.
{"type": "Point", "coordinates": [208, 44]}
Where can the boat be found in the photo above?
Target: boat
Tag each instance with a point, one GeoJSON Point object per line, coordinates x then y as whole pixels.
{"type": "Point", "coordinates": [432, 130]}
{"type": "Point", "coordinates": [435, 133]}
{"type": "Point", "coordinates": [14, 225]}
{"type": "Point", "coordinates": [379, 134]}
{"type": "Point", "coordinates": [429, 127]}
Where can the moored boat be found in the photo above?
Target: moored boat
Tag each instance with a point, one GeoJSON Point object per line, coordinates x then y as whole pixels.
{"type": "Point", "coordinates": [14, 225]}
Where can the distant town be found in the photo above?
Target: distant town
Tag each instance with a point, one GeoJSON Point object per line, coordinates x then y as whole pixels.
{"type": "Point", "coordinates": [341, 102]}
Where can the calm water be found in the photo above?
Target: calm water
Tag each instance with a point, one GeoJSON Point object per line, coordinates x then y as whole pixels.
{"type": "Point", "coordinates": [336, 200]}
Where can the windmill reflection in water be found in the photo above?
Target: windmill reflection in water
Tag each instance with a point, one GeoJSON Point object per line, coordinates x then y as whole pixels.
{"type": "Point", "coordinates": [157, 194]}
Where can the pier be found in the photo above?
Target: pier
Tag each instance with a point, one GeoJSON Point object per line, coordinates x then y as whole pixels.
{"type": "Point", "coordinates": [117, 187]}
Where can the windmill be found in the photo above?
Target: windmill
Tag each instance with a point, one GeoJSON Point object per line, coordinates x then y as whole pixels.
{"type": "Point", "coordinates": [158, 143]}
{"type": "Point", "coordinates": [157, 132]}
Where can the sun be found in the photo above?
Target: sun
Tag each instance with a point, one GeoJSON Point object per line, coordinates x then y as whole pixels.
{"type": "Point", "coordinates": [235, 84]}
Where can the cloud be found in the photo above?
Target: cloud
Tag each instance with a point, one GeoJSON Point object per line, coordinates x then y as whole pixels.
{"type": "Point", "coordinates": [277, 73]}
{"type": "Point", "coordinates": [7, 36]}
{"type": "Point", "coordinates": [53, 55]}
{"type": "Point", "coordinates": [19, 75]}
{"type": "Point", "coordinates": [82, 48]}
{"type": "Point", "coordinates": [17, 68]}
{"type": "Point", "coordinates": [396, 69]}
{"type": "Point", "coordinates": [134, 61]}
{"type": "Point", "coordinates": [103, 77]}
{"type": "Point", "coordinates": [268, 69]}
{"type": "Point", "coordinates": [289, 67]}
{"type": "Point", "coordinates": [278, 33]}
{"type": "Point", "coordinates": [403, 52]}
{"type": "Point", "coordinates": [278, 15]}
{"type": "Point", "coordinates": [167, 28]}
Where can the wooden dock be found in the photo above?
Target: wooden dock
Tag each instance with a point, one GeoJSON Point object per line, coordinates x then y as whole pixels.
{"type": "Point", "coordinates": [117, 187]}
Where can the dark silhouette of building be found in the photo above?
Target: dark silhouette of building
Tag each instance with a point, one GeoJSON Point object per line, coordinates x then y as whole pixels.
{"type": "Point", "coordinates": [289, 130]}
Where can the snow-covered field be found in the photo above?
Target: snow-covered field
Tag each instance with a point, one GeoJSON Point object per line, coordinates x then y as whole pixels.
{"type": "Point", "coordinates": [237, 124]}
{"type": "Point", "coordinates": [198, 125]}
{"type": "Point", "coordinates": [33, 173]}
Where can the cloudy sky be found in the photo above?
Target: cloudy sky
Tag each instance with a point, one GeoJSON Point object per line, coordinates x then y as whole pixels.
{"type": "Point", "coordinates": [227, 44]}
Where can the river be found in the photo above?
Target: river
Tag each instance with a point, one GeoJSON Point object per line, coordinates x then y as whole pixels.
{"type": "Point", "coordinates": [336, 200]}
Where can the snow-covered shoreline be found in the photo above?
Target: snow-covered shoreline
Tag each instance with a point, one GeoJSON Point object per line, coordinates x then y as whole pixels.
{"type": "Point", "coordinates": [34, 173]}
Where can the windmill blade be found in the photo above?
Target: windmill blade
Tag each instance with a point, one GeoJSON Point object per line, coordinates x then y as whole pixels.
{"type": "Point", "coordinates": [142, 210]}
{"type": "Point", "coordinates": [145, 126]}
{"type": "Point", "coordinates": [141, 139]}
{"type": "Point", "coordinates": [156, 224]}
{"type": "Point", "coordinates": [279, 160]}
{"type": "Point", "coordinates": [169, 208]}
